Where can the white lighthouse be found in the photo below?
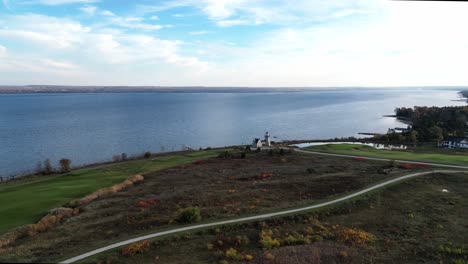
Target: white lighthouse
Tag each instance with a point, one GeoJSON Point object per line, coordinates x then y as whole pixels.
{"type": "Point", "coordinates": [267, 139]}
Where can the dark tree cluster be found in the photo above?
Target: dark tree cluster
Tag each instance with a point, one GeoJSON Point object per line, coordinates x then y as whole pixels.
{"type": "Point", "coordinates": [434, 123]}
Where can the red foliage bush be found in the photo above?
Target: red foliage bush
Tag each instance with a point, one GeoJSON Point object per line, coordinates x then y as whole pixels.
{"type": "Point", "coordinates": [359, 158]}
{"type": "Point", "coordinates": [147, 203]}
{"type": "Point", "coordinates": [199, 162]}
{"type": "Point", "coordinates": [264, 176]}
{"type": "Point", "coordinates": [406, 166]}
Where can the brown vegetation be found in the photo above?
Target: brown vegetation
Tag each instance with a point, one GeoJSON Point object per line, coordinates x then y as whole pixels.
{"type": "Point", "coordinates": [105, 192]}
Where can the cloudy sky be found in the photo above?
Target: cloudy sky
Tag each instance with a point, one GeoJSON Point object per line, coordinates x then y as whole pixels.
{"type": "Point", "coordinates": [233, 42]}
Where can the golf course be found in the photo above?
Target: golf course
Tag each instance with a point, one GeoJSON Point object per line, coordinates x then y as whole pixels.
{"type": "Point", "coordinates": [25, 203]}
{"type": "Point", "coordinates": [367, 151]}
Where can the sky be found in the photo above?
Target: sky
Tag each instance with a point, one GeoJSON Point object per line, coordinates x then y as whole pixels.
{"type": "Point", "coordinates": [262, 43]}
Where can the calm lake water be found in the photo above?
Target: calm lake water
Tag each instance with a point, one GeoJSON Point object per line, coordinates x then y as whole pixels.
{"type": "Point", "coordinates": [88, 128]}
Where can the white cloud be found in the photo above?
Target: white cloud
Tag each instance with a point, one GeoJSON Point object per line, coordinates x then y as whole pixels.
{"type": "Point", "coordinates": [62, 2]}
{"type": "Point", "coordinates": [101, 52]}
{"type": "Point", "coordinates": [197, 33]}
{"type": "Point", "coordinates": [3, 52]}
{"type": "Point", "coordinates": [107, 13]}
{"type": "Point", "coordinates": [154, 18]}
{"type": "Point", "coordinates": [89, 10]}
{"type": "Point", "coordinates": [279, 12]}
{"type": "Point", "coordinates": [59, 64]}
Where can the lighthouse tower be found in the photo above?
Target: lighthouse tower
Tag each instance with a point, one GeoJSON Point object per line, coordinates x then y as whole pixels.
{"type": "Point", "coordinates": [267, 139]}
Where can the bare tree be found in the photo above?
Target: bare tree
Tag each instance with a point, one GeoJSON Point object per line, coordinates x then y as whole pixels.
{"type": "Point", "coordinates": [65, 165]}
{"type": "Point", "coordinates": [47, 167]}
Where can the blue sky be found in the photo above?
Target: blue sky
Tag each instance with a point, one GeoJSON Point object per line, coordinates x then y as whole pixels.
{"type": "Point", "coordinates": [233, 42]}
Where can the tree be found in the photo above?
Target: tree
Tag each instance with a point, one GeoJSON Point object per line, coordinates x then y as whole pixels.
{"type": "Point", "coordinates": [414, 137]}
{"type": "Point", "coordinates": [437, 133]}
{"type": "Point", "coordinates": [47, 167]}
{"type": "Point", "coordinates": [65, 165]}
{"type": "Point", "coordinates": [147, 155]}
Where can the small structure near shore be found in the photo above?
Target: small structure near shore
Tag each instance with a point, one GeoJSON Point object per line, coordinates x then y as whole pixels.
{"type": "Point", "coordinates": [455, 142]}
{"type": "Point", "coordinates": [258, 143]}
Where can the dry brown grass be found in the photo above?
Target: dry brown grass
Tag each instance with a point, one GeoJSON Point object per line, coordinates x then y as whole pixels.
{"type": "Point", "coordinates": [105, 192]}
{"type": "Point", "coordinates": [47, 222]}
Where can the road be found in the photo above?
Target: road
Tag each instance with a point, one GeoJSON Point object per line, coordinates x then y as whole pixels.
{"type": "Point", "coordinates": [257, 217]}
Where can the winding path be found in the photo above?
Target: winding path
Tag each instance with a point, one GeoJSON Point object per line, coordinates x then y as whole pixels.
{"type": "Point", "coordinates": [263, 216]}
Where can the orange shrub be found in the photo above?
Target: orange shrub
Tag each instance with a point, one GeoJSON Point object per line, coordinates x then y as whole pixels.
{"type": "Point", "coordinates": [135, 248]}
{"type": "Point", "coordinates": [355, 236]}
{"type": "Point", "coordinates": [147, 203]}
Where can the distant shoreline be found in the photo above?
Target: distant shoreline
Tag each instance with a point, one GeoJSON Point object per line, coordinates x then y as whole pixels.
{"type": "Point", "coordinates": [49, 89]}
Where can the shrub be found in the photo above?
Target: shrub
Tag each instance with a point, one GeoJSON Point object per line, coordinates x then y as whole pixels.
{"type": "Point", "coordinates": [243, 155]}
{"type": "Point", "coordinates": [147, 155]}
{"type": "Point", "coordinates": [225, 155]}
{"type": "Point", "coordinates": [65, 165]}
{"type": "Point", "coordinates": [248, 257]}
{"type": "Point", "coordinates": [268, 256]}
{"type": "Point", "coordinates": [355, 237]}
{"type": "Point", "coordinates": [233, 254]}
{"type": "Point", "coordinates": [267, 241]}
{"type": "Point", "coordinates": [135, 248]}
{"type": "Point", "coordinates": [147, 202]}
{"type": "Point", "coordinates": [343, 254]}
{"type": "Point", "coordinates": [189, 215]}
{"type": "Point", "coordinates": [123, 156]}
{"type": "Point", "coordinates": [359, 159]}
{"type": "Point", "coordinates": [264, 176]}
{"type": "Point", "coordinates": [406, 166]}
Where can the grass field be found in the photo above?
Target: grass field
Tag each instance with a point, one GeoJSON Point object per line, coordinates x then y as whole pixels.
{"type": "Point", "coordinates": [367, 151]}
{"type": "Point", "coordinates": [26, 203]}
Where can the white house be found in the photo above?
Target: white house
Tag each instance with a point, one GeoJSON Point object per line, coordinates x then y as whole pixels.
{"type": "Point", "coordinates": [455, 142]}
{"type": "Point", "coordinates": [258, 143]}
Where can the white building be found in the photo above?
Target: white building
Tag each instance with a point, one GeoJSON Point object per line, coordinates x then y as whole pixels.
{"type": "Point", "coordinates": [455, 142]}
{"type": "Point", "coordinates": [258, 143]}
{"type": "Point", "coordinates": [267, 139]}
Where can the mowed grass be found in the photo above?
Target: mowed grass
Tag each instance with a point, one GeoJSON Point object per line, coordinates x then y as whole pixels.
{"type": "Point", "coordinates": [26, 203]}
{"type": "Point", "coordinates": [367, 151]}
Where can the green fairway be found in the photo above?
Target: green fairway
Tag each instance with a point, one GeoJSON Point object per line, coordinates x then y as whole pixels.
{"type": "Point", "coordinates": [361, 150]}
{"type": "Point", "coordinates": [26, 203]}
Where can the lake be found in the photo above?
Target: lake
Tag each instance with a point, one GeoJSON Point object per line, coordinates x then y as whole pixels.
{"type": "Point", "coordinates": [89, 128]}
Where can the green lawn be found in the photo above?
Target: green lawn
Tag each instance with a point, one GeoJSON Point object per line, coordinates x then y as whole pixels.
{"type": "Point", "coordinates": [27, 203]}
{"type": "Point", "coordinates": [360, 150]}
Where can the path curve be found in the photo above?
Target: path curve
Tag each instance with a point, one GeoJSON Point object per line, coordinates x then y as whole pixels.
{"type": "Point", "coordinates": [257, 217]}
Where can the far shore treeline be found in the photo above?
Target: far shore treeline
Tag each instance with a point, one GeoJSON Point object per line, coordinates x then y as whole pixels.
{"type": "Point", "coordinates": [431, 124]}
